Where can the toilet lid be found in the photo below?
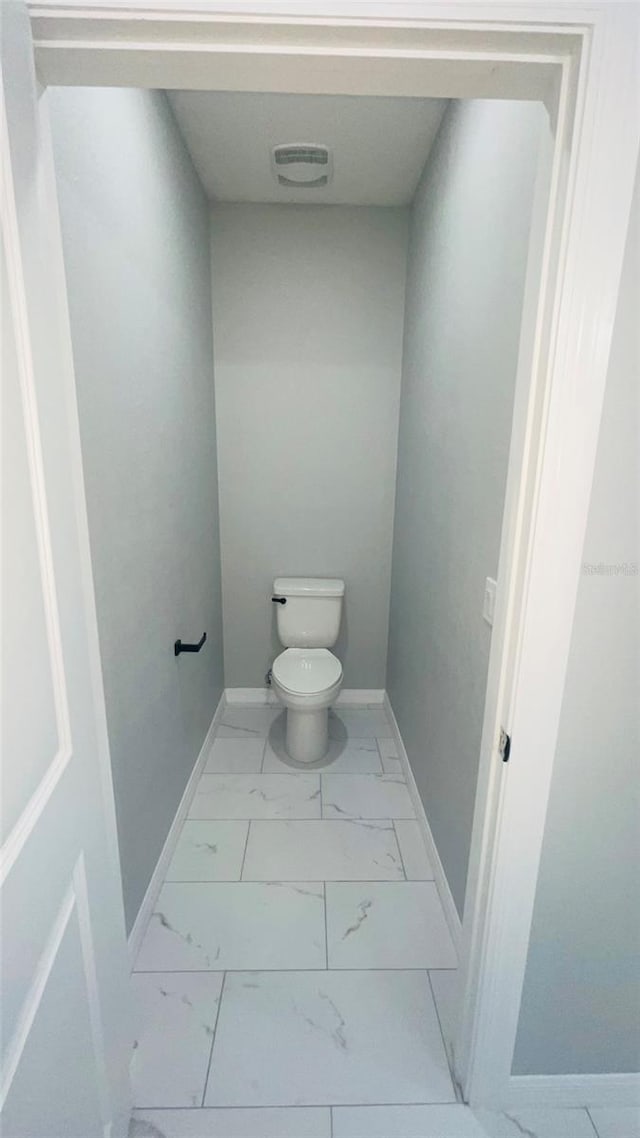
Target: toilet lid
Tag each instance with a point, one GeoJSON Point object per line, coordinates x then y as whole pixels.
{"type": "Point", "coordinates": [307, 671]}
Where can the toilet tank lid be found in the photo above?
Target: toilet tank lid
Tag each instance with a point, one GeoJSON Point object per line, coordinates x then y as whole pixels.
{"type": "Point", "coordinates": [308, 587]}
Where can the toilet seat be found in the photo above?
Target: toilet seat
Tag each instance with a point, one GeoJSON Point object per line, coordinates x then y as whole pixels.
{"type": "Point", "coordinates": [306, 671]}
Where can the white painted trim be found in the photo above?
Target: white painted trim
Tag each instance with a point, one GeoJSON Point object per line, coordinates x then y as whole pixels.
{"type": "Point", "coordinates": [26, 822]}
{"type": "Point", "coordinates": [286, 49]}
{"type": "Point", "coordinates": [250, 697]}
{"type": "Point", "coordinates": [360, 697]}
{"type": "Point", "coordinates": [75, 900]}
{"type": "Point", "coordinates": [442, 885]}
{"type": "Point", "coordinates": [83, 912]}
{"type": "Point", "coordinates": [157, 877]}
{"type": "Point", "coordinates": [574, 1090]}
{"type": "Point", "coordinates": [36, 991]}
{"type": "Point", "coordinates": [587, 226]}
{"type": "Point", "coordinates": [262, 697]}
{"type": "Point", "coordinates": [580, 59]}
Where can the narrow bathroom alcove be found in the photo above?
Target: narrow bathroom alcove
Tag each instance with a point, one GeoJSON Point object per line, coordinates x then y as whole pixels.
{"type": "Point", "coordinates": [294, 381]}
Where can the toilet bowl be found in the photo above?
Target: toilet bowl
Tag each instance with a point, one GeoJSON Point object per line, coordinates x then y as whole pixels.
{"type": "Point", "coordinates": [307, 680]}
{"type": "Point", "coordinates": [307, 677]}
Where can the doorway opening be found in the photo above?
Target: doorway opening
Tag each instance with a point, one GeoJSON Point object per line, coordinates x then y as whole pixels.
{"type": "Point", "coordinates": [584, 73]}
{"type": "Point", "coordinates": [312, 381]}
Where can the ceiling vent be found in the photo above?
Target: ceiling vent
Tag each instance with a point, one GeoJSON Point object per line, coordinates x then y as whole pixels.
{"type": "Point", "coordinates": [302, 166]}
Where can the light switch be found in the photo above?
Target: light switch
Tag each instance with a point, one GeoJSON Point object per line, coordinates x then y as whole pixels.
{"type": "Point", "coordinates": [489, 603]}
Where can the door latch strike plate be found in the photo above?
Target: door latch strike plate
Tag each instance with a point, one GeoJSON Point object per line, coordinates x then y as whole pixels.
{"type": "Point", "coordinates": [504, 745]}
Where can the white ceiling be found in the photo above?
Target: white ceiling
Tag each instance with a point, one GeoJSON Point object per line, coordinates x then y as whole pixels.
{"type": "Point", "coordinates": [379, 145]}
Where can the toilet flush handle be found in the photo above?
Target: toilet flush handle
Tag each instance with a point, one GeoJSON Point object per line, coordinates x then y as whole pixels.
{"type": "Point", "coordinates": [279, 600]}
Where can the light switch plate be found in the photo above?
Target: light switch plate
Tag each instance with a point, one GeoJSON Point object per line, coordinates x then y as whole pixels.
{"type": "Point", "coordinates": [489, 602]}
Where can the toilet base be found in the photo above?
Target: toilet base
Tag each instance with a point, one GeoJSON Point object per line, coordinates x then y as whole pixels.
{"type": "Point", "coordinates": [307, 734]}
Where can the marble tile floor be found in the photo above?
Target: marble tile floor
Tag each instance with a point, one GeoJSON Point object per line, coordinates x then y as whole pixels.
{"type": "Point", "coordinates": [421, 1121]}
{"type": "Point", "coordinates": [297, 972]}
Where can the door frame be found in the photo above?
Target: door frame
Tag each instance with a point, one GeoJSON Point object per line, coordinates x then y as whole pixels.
{"type": "Point", "coordinates": [582, 60]}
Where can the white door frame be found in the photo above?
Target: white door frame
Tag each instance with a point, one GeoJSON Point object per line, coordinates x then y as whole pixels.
{"type": "Point", "coordinates": [582, 60]}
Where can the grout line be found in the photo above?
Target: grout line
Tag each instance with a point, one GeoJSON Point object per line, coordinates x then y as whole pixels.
{"type": "Point", "coordinates": [299, 881]}
{"type": "Point", "coordinates": [246, 843]}
{"type": "Point", "coordinates": [348, 818]}
{"type": "Point", "coordinates": [296, 881]}
{"type": "Point", "coordinates": [326, 935]}
{"type": "Point", "coordinates": [404, 868]}
{"type": "Point", "coordinates": [254, 774]}
{"type": "Point", "coordinates": [264, 754]}
{"type": "Point", "coordinates": [241, 733]}
{"type": "Point", "coordinates": [321, 799]}
{"type": "Point", "coordinates": [454, 1083]}
{"type": "Point", "coordinates": [354, 821]}
{"type": "Point", "coordinates": [306, 881]}
{"type": "Point", "coordinates": [299, 1106]}
{"type": "Point", "coordinates": [272, 971]}
{"type": "Point", "coordinates": [215, 1028]}
{"type": "Point", "coordinates": [331, 1121]}
{"type": "Point", "coordinates": [595, 1128]}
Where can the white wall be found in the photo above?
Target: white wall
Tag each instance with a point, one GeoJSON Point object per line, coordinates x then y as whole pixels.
{"type": "Point", "coordinates": [308, 305]}
{"type": "Point", "coordinates": [135, 227]}
{"type": "Point", "coordinates": [468, 247]}
{"type": "Point", "coordinates": [581, 1002]}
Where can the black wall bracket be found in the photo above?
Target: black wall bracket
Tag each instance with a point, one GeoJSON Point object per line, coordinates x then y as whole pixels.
{"type": "Point", "coordinates": [180, 647]}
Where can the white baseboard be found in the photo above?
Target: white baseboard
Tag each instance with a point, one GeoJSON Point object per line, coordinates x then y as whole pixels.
{"type": "Point", "coordinates": [250, 697]}
{"type": "Point", "coordinates": [262, 697]}
{"type": "Point", "coordinates": [574, 1090]}
{"type": "Point", "coordinates": [360, 697]}
{"type": "Point", "coordinates": [157, 878]}
{"type": "Point", "coordinates": [442, 885]}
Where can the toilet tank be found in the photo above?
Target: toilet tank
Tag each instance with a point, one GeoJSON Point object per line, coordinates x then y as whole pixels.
{"type": "Point", "coordinates": [310, 618]}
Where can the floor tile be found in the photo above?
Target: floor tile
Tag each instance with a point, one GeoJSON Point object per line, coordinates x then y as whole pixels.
{"type": "Point", "coordinates": [183, 1009]}
{"type": "Point", "coordinates": [235, 925]}
{"type": "Point", "coordinates": [322, 851]}
{"type": "Point", "coordinates": [362, 724]}
{"type": "Point", "coordinates": [387, 925]}
{"type": "Point", "coordinates": [388, 748]}
{"type": "Point", "coordinates": [616, 1121]}
{"type": "Point", "coordinates": [247, 722]}
{"type": "Point", "coordinates": [315, 1038]}
{"type": "Point", "coordinates": [452, 1121]}
{"type": "Point", "coordinates": [257, 796]}
{"type": "Point", "coordinates": [209, 851]}
{"type": "Point", "coordinates": [414, 852]}
{"type": "Point", "coordinates": [365, 796]}
{"type": "Point", "coordinates": [268, 1122]}
{"type": "Point", "coordinates": [445, 986]}
{"type": "Point", "coordinates": [392, 766]}
{"type": "Point", "coordinates": [235, 756]}
{"type": "Point", "coordinates": [391, 763]}
{"type": "Point", "coordinates": [358, 756]}
{"type": "Point", "coordinates": [537, 1122]}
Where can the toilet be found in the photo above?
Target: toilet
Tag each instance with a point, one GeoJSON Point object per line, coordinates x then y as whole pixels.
{"type": "Point", "coordinates": [307, 677]}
